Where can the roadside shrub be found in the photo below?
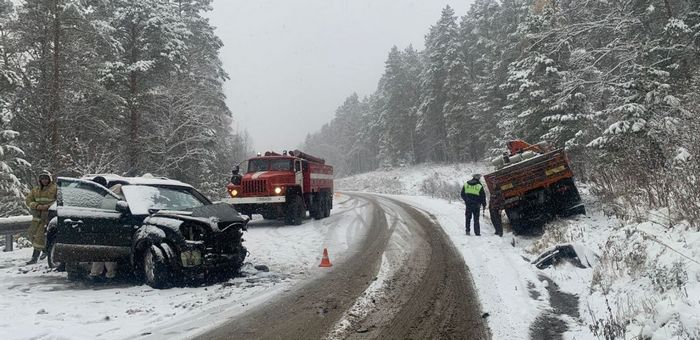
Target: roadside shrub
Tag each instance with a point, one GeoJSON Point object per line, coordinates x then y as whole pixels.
{"type": "Point", "coordinates": [609, 326]}
{"type": "Point", "coordinates": [665, 278]}
{"type": "Point", "coordinates": [555, 233]}
{"type": "Point", "coordinates": [439, 187]}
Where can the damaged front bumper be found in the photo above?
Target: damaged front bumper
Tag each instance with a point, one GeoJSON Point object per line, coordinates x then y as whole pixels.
{"type": "Point", "coordinates": [197, 257]}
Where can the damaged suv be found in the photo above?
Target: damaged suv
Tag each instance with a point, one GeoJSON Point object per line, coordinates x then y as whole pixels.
{"type": "Point", "coordinates": [164, 231]}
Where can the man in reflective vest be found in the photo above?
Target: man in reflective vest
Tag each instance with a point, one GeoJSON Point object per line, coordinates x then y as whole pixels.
{"type": "Point", "coordinates": [474, 197]}
{"type": "Point", "coordinates": [39, 200]}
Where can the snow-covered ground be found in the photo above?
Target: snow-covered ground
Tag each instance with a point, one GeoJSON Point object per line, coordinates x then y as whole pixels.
{"type": "Point", "coordinates": [644, 281]}
{"type": "Point", "coordinates": [40, 304]}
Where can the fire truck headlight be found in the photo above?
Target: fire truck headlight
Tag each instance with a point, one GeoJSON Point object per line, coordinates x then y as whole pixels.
{"type": "Point", "coordinates": [234, 193]}
{"type": "Point", "coordinates": [278, 190]}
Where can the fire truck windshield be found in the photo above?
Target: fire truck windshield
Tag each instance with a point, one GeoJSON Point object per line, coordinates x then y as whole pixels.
{"type": "Point", "coordinates": [255, 165]}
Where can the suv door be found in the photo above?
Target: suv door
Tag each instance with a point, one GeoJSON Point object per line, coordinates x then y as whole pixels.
{"type": "Point", "coordinates": [87, 215]}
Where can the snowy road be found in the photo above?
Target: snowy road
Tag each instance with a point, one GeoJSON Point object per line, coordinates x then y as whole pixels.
{"type": "Point", "coordinates": [406, 280]}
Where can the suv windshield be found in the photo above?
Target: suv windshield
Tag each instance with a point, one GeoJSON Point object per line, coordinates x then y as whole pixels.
{"type": "Point", "coordinates": [141, 198]}
{"type": "Point", "coordinates": [255, 165]}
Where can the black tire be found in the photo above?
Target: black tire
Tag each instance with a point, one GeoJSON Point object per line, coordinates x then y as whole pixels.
{"type": "Point", "coordinates": [269, 216]}
{"type": "Point", "coordinates": [294, 214]}
{"type": "Point", "coordinates": [73, 271]}
{"type": "Point", "coordinates": [318, 207]}
{"type": "Point", "coordinates": [238, 262]}
{"type": "Point", "coordinates": [327, 205]}
{"type": "Point", "coordinates": [57, 266]}
{"type": "Point", "coordinates": [516, 221]}
{"type": "Point", "coordinates": [316, 210]}
{"type": "Point", "coordinates": [157, 271]}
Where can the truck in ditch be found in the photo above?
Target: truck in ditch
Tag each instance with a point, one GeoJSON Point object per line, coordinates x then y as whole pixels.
{"type": "Point", "coordinates": [532, 184]}
{"type": "Point", "coordinates": [283, 186]}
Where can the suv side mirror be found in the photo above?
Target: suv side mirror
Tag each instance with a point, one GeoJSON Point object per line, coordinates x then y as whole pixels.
{"type": "Point", "coordinates": [123, 207]}
{"type": "Point", "coordinates": [236, 169]}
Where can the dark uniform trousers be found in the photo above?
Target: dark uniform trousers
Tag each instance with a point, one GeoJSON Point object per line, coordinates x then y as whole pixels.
{"type": "Point", "coordinates": [472, 210]}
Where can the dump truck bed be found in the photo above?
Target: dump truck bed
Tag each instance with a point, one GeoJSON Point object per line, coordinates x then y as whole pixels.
{"type": "Point", "coordinates": [510, 183]}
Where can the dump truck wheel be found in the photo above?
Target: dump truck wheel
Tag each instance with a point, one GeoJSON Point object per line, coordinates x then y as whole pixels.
{"type": "Point", "coordinates": [516, 221]}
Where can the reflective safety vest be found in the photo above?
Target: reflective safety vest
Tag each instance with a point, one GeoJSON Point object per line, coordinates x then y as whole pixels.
{"type": "Point", "coordinates": [472, 189]}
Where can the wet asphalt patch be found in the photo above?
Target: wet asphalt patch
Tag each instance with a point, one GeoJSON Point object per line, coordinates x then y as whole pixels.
{"type": "Point", "coordinates": [549, 325]}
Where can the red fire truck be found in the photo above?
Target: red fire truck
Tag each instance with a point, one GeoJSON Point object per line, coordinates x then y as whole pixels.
{"type": "Point", "coordinates": [283, 186]}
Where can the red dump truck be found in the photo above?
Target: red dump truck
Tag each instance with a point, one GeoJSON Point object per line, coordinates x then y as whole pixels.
{"type": "Point", "coordinates": [532, 184]}
{"type": "Point", "coordinates": [283, 185]}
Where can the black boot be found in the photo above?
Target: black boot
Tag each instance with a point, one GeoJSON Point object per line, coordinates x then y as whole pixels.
{"type": "Point", "coordinates": [35, 256]}
{"type": "Point", "coordinates": [43, 255]}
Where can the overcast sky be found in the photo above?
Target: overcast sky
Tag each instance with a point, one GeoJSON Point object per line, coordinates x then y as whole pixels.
{"type": "Point", "coordinates": [293, 62]}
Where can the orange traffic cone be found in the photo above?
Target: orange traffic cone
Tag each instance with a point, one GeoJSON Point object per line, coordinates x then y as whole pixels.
{"type": "Point", "coordinates": [325, 262]}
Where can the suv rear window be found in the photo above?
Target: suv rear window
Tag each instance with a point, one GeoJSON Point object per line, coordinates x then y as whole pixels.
{"type": "Point", "coordinates": [85, 195]}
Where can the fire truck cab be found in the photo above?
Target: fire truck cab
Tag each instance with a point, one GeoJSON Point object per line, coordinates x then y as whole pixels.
{"type": "Point", "coordinates": [283, 186]}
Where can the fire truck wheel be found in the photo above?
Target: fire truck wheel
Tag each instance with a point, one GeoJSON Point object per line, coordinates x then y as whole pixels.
{"type": "Point", "coordinates": [326, 205]}
{"type": "Point", "coordinates": [295, 211]}
{"type": "Point", "coordinates": [316, 210]}
{"type": "Point", "coordinates": [316, 206]}
{"type": "Point", "coordinates": [269, 216]}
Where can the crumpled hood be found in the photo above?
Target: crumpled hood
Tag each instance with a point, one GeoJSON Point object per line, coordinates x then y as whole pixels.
{"type": "Point", "coordinates": [218, 216]}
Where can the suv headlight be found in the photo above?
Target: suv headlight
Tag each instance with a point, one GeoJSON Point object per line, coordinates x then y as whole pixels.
{"type": "Point", "coordinates": [234, 193]}
{"type": "Point", "coordinates": [278, 190]}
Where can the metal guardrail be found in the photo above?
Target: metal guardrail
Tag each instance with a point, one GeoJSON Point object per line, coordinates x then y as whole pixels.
{"type": "Point", "coordinates": [13, 225]}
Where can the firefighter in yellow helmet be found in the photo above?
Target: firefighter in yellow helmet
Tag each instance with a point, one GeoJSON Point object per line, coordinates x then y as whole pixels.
{"type": "Point", "coordinates": [39, 200]}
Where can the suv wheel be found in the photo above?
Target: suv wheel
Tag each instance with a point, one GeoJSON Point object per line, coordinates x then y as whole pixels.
{"type": "Point", "coordinates": [156, 270]}
{"type": "Point", "coordinates": [57, 266]}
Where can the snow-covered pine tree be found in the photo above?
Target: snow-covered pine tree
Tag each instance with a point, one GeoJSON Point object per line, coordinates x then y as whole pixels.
{"type": "Point", "coordinates": [191, 99]}
{"type": "Point", "coordinates": [150, 43]}
{"type": "Point", "coordinates": [11, 157]}
{"type": "Point", "coordinates": [535, 80]}
{"type": "Point", "coordinates": [363, 155]}
{"type": "Point", "coordinates": [439, 43]}
{"type": "Point", "coordinates": [398, 88]}
{"type": "Point", "coordinates": [347, 123]}
{"type": "Point", "coordinates": [490, 40]}
{"type": "Point", "coordinates": [11, 163]}
{"type": "Point", "coordinates": [461, 128]}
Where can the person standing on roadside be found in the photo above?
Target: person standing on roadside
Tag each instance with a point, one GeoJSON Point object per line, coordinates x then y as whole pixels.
{"type": "Point", "coordinates": [39, 200]}
{"type": "Point", "coordinates": [474, 197]}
